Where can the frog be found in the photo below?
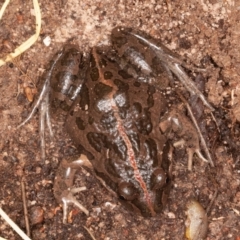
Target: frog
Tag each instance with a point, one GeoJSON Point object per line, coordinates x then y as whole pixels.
{"type": "Point", "coordinates": [116, 112]}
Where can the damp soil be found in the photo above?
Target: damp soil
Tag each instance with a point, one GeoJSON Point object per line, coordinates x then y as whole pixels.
{"type": "Point", "coordinates": [204, 33]}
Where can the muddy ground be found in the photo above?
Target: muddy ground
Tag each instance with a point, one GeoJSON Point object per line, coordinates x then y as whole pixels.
{"type": "Point", "coordinates": [196, 30]}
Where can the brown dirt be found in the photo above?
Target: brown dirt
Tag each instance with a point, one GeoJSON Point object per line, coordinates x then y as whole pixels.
{"type": "Point", "coordinates": [193, 29]}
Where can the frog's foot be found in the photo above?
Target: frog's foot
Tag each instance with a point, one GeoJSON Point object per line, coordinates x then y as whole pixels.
{"type": "Point", "coordinates": [63, 184]}
{"type": "Point", "coordinates": [177, 123]}
{"type": "Point", "coordinates": [190, 151]}
{"type": "Point", "coordinates": [69, 199]}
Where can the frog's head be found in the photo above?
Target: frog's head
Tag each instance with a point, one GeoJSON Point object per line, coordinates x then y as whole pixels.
{"type": "Point", "coordinates": [146, 200]}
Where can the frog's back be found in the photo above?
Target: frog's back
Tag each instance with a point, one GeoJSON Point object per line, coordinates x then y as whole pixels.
{"type": "Point", "coordinates": [114, 121]}
{"type": "Point", "coordinates": [110, 103]}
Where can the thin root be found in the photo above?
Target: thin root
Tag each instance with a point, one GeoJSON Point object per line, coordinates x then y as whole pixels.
{"type": "Point", "coordinates": [28, 43]}
{"type": "Point", "coordinates": [14, 226]}
{"type": "Point", "coordinates": [25, 207]}
{"type": "Point", "coordinates": [90, 233]}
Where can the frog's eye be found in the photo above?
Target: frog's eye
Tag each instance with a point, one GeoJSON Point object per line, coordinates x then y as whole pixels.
{"type": "Point", "coordinates": [127, 191]}
{"type": "Point", "coordinates": [158, 178]}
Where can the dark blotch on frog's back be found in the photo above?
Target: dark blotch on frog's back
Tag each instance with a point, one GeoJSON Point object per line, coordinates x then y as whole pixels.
{"type": "Point", "coordinates": [152, 151]}
{"type": "Point", "coordinates": [137, 84]}
{"type": "Point", "coordinates": [80, 123]}
{"type": "Point", "coordinates": [124, 74]}
{"type": "Point", "coordinates": [98, 141]}
{"type": "Point", "coordinates": [101, 90]}
{"type": "Point", "coordinates": [160, 72]}
{"type": "Point", "coordinates": [122, 86]}
{"type": "Point", "coordinates": [107, 75]}
{"type": "Point", "coordinates": [94, 74]}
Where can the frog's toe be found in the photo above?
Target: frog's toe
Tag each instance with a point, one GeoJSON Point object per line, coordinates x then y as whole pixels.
{"type": "Point", "coordinates": [70, 199]}
{"type": "Point", "coordinates": [190, 152]}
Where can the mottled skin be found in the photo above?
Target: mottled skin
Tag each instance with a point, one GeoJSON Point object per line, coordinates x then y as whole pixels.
{"type": "Point", "coordinates": [114, 104]}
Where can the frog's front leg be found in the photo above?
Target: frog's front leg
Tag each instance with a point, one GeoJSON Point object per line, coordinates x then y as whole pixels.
{"type": "Point", "coordinates": [152, 58]}
{"type": "Point", "coordinates": [62, 83]}
{"type": "Point", "coordinates": [63, 190]}
{"type": "Point", "coordinates": [177, 122]}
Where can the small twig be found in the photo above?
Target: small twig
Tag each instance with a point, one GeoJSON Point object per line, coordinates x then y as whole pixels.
{"type": "Point", "coordinates": [43, 107]}
{"type": "Point", "coordinates": [212, 201]}
{"type": "Point", "coordinates": [25, 207]}
{"type": "Point", "coordinates": [28, 43]}
{"type": "Point", "coordinates": [14, 226]}
{"type": "Point", "coordinates": [237, 161]}
{"type": "Point", "coordinates": [4, 8]}
{"type": "Point", "coordinates": [2, 238]}
{"type": "Point", "coordinates": [214, 119]}
{"type": "Point", "coordinates": [90, 233]}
